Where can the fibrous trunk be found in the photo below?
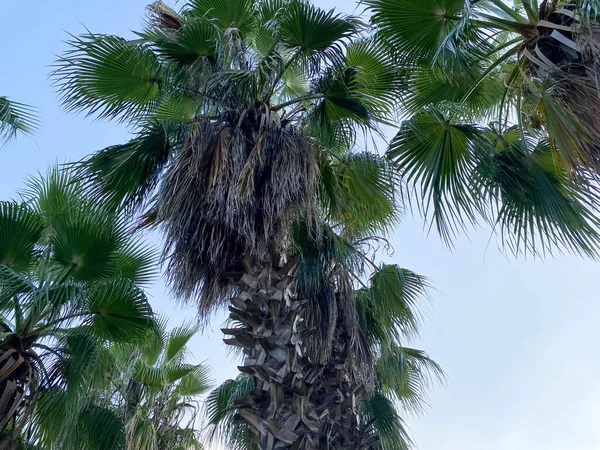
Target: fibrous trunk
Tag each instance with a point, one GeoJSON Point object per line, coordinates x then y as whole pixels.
{"type": "Point", "coordinates": [14, 381]}
{"type": "Point", "coordinates": [296, 403]}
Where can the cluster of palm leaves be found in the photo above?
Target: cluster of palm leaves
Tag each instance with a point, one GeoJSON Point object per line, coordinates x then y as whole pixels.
{"type": "Point", "coordinates": [251, 120]}
{"type": "Point", "coordinates": [73, 321]}
{"type": "Point", "coordinates": [501, 101]}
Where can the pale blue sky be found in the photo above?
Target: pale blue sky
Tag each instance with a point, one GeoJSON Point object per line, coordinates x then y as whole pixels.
{"type": "Point", "coordinates": [518, 339]}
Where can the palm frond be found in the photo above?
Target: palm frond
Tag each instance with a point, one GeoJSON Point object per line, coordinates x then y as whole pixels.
{"type": "Point", "coordinates": [16, 118]}
{"type": "Point", "coordinates": [20, 229]}
{"type": "Point", "coordinates": [195, 383]}
{"type": "Point", "coordinates": [85, 242]}
{"type": "Point", "coordinates": [178, 339]}
{"type": "Point", "coordinates": [390, 308]}
{"type": "Point", "coordinates": [388, 425]}
{"type": "Point", "coordinates": [138, 262]}
{"type": "Point", "coordinates": [416, 30]}
{"type": "Point", "coordinates": [227, 14]}
{"type": "Point", "coordinates": [108, 76]}
{"type": "Point", "coordinates": [118, 311]}
{"type": "Point", "coordinates": [439, 156]}
{"type": "Point", "coordinates": [125, 175]}
{"type": "Point", "coordinates": [538, 206]}
{"type": "Point", "coordinates": [360, 191]}
{"type": "Point", "coordinates": [220, 411]}
{"type": "Point", "coordinates": [407, 374]}
{"type": "Point", "coordinates": [314, 33]}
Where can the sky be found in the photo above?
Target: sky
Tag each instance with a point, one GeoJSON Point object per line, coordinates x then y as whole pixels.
{"type": "Point", "coordinates": [518, 338]}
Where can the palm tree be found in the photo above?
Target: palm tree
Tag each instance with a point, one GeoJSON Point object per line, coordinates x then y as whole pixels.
{"type": "Point", "coordinates": [154, 391]}
{"type": "Point", "coordinates": [389, 311]}
{"type": "Point", "coordinates": [501, 105]}
{"type": "Point", "coordinates": [15, 118]}
{"type": "Point", "coordinates": [70, 277]}
{"type": "Point", "coordinates": [247, 114]}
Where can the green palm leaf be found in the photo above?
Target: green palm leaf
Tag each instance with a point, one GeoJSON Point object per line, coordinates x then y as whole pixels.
{"type": "Point", "coordinates": [138, 262]}
{"type": "Point", "coordinates": [408, 374]}
{"type": "Point", "coordinates": [539, 207]}
{"type": "Point", "coordinates": [177, 341]}
{"type": "Point", "coordinates": [20, 229]}
{"type": "Point", "coordinates": [226, 14]}
{"type": "Point", "coordinates": [16, 118]}
{"type": "Point", "coordinates": [126, 174]}
{"type": "Point", "coordinates": [195, 40]}
{"type": "Point", "coordinates": [360, 192]}
{"type": "Point", "coordinates": [416, 29]}
{"type": "Point", "coordinates": [379, 84]}
{"type": "Point", "coordinates": [195, 383]}
{"type": "Point", "coordinates": [118, 311]}
{"type": "Point", "coordinates": [219, 408]}
{"type": "Point", "coordinates": [439, 156]}
{"type": "Point", "coordinates": [155, 377]}
{"type": "Point", "coordinates": [390, 308]}
{"type": "Point", "coordinates": [12, 284]}
{"type": "Point", "coordinates": [108, 76]}
{"type": "Point", "coordinates": [313, 32]}
{"type": "Point", "coordinates": [389, 426]}
{"type": "Point", "coordinates": [100, 428]}
{"type": "Point", "coordinates": [86, 244]}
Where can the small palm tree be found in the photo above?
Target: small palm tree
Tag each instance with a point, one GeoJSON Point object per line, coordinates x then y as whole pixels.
{"type": "Point", "coordinates": [70, 276]}
{"type": "Point", "coordinates": [502, 101]}
{"type": "Point", "coordinates": [154, 391]}
{"type": "Point", "coordinates": [389, 313]}
{"type": "Point", "coordinates": [247, 115]}
{"type": "Point", "coordinates": [15, 118]}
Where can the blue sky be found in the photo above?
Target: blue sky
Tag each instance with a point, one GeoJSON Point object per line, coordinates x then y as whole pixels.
{"type": "Point", "coordinates": [517, 338]}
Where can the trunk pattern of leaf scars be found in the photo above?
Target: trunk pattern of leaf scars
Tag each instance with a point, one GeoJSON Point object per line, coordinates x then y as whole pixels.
{"type": "Point", "coordinates": [295, 403]}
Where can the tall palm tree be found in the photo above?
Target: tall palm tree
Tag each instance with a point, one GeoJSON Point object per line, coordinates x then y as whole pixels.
{"type": "Point", "coordinates": [15, 118]}
{"type": "Point", "coordinates": [389, 311]}
{"type": "Point", "coordinates": [70, 277]}
{"type": "Point", "coordinates": [501, 105]}
{"type": "Point", "coordinates": [247, 114]}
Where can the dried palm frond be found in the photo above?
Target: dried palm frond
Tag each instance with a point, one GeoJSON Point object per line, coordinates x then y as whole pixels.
{"type": "Point", "coordinates": [163, 16]}
{"type": "Point", "coordinates": [230, 195]}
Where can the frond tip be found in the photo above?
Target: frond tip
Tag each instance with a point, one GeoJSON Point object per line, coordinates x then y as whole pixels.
{"type": "Point", "coordinates": [16, 118]}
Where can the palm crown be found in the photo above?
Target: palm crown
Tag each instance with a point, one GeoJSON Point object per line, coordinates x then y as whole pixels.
{"type": "Point", "coordinates": [70, 276]}
{"type": "Point", "coordinates": [502, 100]}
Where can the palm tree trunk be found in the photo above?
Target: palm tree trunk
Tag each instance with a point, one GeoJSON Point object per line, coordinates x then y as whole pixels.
{"type": "Point", "coordinates": [296, 403]}
{"type": "Point", "coordinates": [14, 376]}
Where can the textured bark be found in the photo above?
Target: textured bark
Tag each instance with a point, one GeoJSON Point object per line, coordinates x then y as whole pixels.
{"type": "Point", "coordinates": [296, 403]}
{"type": "Point", "coordinates": [15, 371]}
